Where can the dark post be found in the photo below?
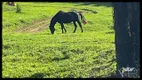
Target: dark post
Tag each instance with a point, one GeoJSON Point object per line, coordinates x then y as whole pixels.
{"type": "Point", "coordinates": [127, 34]}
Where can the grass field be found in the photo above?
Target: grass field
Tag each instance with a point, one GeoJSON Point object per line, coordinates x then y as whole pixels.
{"type": "Point", "coordinates": [29, 50]}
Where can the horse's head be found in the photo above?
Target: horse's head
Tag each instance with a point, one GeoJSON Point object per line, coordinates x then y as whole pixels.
{"type": "Point", "coordinates": [83, 18]}
{"type": "Point", "coordinates": [84, 21]}
{"type": "Point", "coordinates": [52, 29]}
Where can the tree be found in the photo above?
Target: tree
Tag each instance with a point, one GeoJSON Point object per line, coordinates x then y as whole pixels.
{"type": "Point", "coordinates": [127, 34]}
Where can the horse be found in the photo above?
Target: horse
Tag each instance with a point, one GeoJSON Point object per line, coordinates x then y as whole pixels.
{"type": "Point", "coordinates": [66, 17]}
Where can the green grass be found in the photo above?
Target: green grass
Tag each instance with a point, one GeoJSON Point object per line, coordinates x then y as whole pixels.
{"type": "Point", "coordinates": [42, 55]}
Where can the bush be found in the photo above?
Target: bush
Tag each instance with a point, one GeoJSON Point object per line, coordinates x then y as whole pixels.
{"type": "Point", "coordinates": [18, 8]}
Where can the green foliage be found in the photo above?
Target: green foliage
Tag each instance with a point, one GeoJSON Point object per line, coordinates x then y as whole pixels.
{"type": "Point", "coordinates": [18, 8]}
{"type": "Point", "coordinates": [42, 55]}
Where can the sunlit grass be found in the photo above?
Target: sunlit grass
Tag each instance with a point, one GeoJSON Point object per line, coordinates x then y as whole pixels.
{"type": "Point", "coordinates": [87, 54]}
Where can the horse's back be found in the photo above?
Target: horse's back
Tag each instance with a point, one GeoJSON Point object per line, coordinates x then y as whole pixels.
{"type": "Point", "coordinates": [65, 17]}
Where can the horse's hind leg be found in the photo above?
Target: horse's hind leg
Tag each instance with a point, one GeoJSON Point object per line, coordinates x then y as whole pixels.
{"type": "Point", "coordinates": [75, 26]}
{"type": "Point", "coordinates": [80, 25]}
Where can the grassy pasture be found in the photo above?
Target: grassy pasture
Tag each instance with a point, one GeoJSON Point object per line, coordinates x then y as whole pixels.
{"type": "Point", "coordinates": [28, 51]}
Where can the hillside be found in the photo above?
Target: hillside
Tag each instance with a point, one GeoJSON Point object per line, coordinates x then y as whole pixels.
{"type": "Point", "coordinates": [29, 50]}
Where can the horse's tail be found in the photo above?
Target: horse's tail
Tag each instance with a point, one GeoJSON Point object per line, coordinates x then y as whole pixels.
{"type": "Point", "coordinates": [82, 18]}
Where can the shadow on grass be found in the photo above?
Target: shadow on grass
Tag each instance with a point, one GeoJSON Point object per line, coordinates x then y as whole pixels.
{"type": "Point", "coordinates": [7, 46]}
{"type": "Point", "coordinates": [103, 67]}
{"type": "Point", "coordinates": [106, 4]}
{"type": "Point", "coordinates": [112, 32]}
{"type": "Point", "coordinates": [90, 11]}
{"type": "Point", "coordinates": [37, 75]}
{"type": "Point", "coordinates": [63, 58]}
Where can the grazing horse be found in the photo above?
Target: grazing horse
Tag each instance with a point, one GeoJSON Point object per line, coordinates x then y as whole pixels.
{"type": "Point", "coordinates": [66, 17]}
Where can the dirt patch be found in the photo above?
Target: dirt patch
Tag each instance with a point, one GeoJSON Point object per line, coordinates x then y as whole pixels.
{"type": "Point", "coordinates": [36, 26]}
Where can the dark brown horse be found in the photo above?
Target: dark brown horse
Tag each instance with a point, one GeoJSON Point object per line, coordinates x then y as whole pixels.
{"type": "Point", "coordinates": [66, 17]}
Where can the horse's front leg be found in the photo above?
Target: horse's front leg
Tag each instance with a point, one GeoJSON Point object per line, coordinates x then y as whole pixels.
{"type": "Point", "coordinates": [80, 25]}
{"type": "Point", "coordinates": [65, 29]}
{"type": "Point", "coordinates": [62, 27]}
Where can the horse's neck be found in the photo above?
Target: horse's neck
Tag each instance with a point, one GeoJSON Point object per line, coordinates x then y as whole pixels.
{"type": "Point", "coordinates": [53, 21]}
